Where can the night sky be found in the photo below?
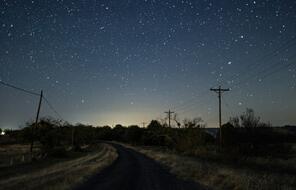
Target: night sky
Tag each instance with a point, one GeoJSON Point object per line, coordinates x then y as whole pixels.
{"type": "Point", "coordinates": [128, 61]}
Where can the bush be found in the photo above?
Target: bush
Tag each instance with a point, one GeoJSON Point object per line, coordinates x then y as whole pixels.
{"type": "Point", "coordinates": [58, 152]}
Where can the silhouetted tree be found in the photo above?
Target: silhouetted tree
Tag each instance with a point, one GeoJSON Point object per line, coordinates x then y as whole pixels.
{"type": "Point", "coordinates": [193, 123]}
{"type": "Point", "coordinates": [119, 132]}
{"type": "Point", "coordinates": [154, 124]}
{"type": "Point", "coordinates": [47, 133]}
{"type": "Point", "coordinates": [246, 120]}
{"type": "Point", "coordinates": [175, 118]}
{"type": "Point", "coordinates": [104, 133]}
{"type": "Point", "coordinates": [134, 134]}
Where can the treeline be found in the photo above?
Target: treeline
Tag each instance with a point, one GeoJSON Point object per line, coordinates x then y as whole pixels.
{"type": "Point", "coordinates": [247, 135]}
{"type": "Point", "coordinates": [52, 133]}
{"type": "Point", "coordinates": [242, 135]}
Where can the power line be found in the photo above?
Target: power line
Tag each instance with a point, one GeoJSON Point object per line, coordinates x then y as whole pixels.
{"type": "Point", "coordinates": [274, 68]}
{"type": "Point", "coordinates": [193, 106]}
{"type": "Point", "coordinates": [266, 73]}
{"type": "Point", "coordinates": [273, 53]}
{"type": "Point", "coordinates": [52, 108]}
{"type": "Point", "coordinates": [189, 105]}
{"type": "Point", "coordinates": [19, 88]}
{"type": "Point", "coordinates": [190, 102]}
{"type": "Point", "coordinates": [251, 66]}
{"type": "Point", "coordinates": [34, 94]}
{"type": "Point", "coordinates": [228, 106]}
{"type": "Point", "coordinates": [258, 72]}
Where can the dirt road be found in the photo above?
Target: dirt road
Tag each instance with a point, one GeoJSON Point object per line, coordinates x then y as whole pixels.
{"type": "Point", "coordinates": [134, 171]}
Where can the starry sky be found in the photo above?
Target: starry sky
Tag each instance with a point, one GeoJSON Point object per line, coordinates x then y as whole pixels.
{"type": "Point", "coordinates": [128, 61]}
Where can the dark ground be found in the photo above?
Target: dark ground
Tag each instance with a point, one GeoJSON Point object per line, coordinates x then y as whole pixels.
{"type": "Point", "coordinates": [134, 171]}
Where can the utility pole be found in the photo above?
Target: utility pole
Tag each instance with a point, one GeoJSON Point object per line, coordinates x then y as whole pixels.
{"type": "Point", "coordinates": [34, 128]}
{"type": "Point", "coordinates": [169, 114]}
{"type": "Point", "coordinates": [219, 91]}
{"type": "Point", "coordinates": [144, 124]}
{"type": "Point", "coordinates": [72, 136]}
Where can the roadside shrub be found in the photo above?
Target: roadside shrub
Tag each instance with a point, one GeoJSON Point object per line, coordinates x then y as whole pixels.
{"type": "Point", "coordinates": [58, 152]}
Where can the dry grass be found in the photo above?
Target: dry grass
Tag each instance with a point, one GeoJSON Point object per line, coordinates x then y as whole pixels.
{"type": "Point", "coordinates": [15, 154]}
{"type": "Point", "coordinates": [65, 174]}
{"type": "Point", "coordinates": [220, 176]}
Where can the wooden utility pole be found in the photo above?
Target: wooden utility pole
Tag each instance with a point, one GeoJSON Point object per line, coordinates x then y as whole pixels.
{"type": "Point", "coordinates": [169, 115]}
{"type": "Point", "coordinates": [144, 124]}
{"type": "Point", "coordinates": [219, 91]}
{"type": "Point", "coordinates": [72, 136]}
{"type": "Point", "coordinates": [34, 128]}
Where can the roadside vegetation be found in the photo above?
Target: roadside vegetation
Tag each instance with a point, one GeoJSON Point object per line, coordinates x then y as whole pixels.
{"type": "Point", "coordinates": [58, 173]}
{"type": "Point", "coordinates": [243, 174]}
{"type": "Point", "coordinates": [250, 155]}
{"type": "Point", "coordinates": [63, 156]}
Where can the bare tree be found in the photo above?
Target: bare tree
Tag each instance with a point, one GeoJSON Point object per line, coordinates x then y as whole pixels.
{"type": "Point", "coordinates": [247, 120]}
{"type": "Point", "coordinates": [194, 123]}
{"type": "Point", "coordinates": [175, 118]}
